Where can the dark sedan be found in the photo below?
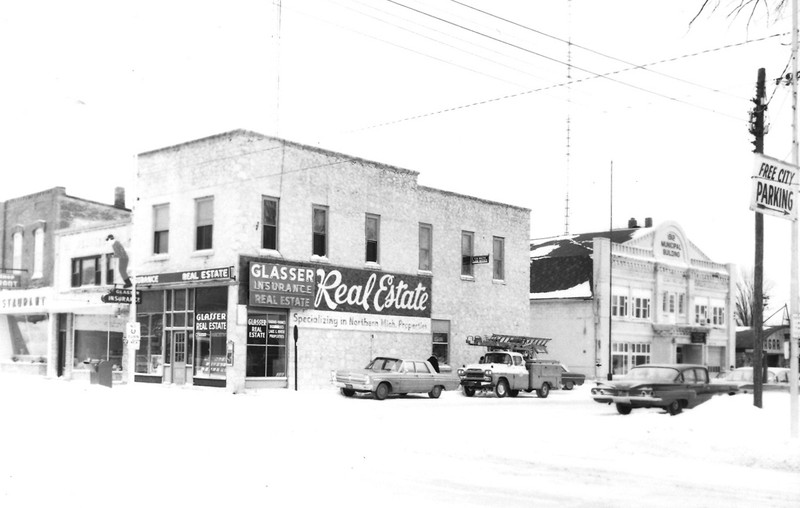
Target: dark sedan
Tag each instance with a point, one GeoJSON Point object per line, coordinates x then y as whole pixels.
{"type": "Point", "coordinates": [673, 387]}
{"type": "Point", "coordinates": [570, 379]}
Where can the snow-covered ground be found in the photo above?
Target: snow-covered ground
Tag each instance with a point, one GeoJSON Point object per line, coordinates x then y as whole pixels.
{"type": "Point", "coordinates": [74, 444]}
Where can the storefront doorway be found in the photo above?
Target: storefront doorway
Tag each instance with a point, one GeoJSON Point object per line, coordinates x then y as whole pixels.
{"type": "Point", "coordinates": [179, 358]}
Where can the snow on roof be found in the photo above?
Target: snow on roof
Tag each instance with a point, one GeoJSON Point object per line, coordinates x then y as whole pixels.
{"type": "Point", "coordinates": [582, 290]}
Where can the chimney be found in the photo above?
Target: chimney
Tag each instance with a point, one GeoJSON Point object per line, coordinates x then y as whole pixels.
{"type": "Point", "coordinates": [119, 197]}
{"type": "Point", "coordinates": [648, 222]}
{"type": "Point", "coordinates": [632, 223]}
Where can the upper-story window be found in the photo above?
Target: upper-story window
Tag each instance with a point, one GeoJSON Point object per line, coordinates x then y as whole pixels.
{"type": "Point", "coordinates": [619, 305]}
{"type": "Point", "coordinates": [38, 253]}
{"type": "Point", "coordinates": [161, 229]}
{"type": "Point", "coordinates": [204, 217]}
{"type": "Point", "coordinates": [16, 260]}
{"type": "Point", "coordinates": [641, 307]}
{"type": "Point", "coordinates": [718, 316]}
{"type": "Point", "coordinates": [87, 271]}
{"type": "Point", "coordinates": [701, 313]}
{"type": "Point", "coordinates": [269, 228]}
{"type": "Point", "coordinates": [467, 246]}
{"type": "Point", "coordinates": [319, 228]}
{"type": "Point", "coordinates": [499, 258]}
{"type": "Point", "coordinates": [425, 247]}
{"type": "Point", "coordinates": [668, 303]}
{"type": "Point", "coordinates": [372, 232]}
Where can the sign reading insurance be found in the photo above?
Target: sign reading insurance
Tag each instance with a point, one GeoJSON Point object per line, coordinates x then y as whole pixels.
{"type": "Point", "coordinates": [281, 285]}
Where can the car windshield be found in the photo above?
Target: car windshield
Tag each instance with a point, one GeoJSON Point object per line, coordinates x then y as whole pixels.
{"type": "Point", "coordinates": [653, 374]}
{"type": "Point", "coordinates": [383, 364]}
{"type": "Point", "coordinates": [741, 375]}
{"type": "Point", "coordinates": [496, 358]}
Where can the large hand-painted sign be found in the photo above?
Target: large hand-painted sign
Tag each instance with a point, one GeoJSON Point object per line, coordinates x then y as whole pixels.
{"type": "Point", "coordinates": [338, 289]}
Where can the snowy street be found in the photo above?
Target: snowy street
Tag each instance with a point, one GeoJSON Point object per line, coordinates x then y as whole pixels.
{"type": "Point", "coordinates": [68, 443]}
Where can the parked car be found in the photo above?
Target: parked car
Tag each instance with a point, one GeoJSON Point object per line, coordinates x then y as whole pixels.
{"type": "Point", "coordinates": [673, 387]}
{"type": "Point", "coordinates": [383, 376]}
{"type": "Point", "coordinates": [742, 378]}
{"type": "Point", "coordinates": [569, 379]}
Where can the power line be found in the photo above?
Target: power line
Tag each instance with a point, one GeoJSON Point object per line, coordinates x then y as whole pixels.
{"type": "Point", "coordinates": [572, 44]}
{"type": "Point", "coordinates": [588, 78]}
{"type": "Point", "coordinates": [516, 46]}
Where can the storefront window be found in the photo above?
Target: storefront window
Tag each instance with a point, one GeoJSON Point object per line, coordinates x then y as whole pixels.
{"type": "Point", "coordinates": [266, 345]}
{"type": "Point", "coordinates": [97, 338]}
{"type": "Point", "coordinates": [28, 336]}
{"type": "Point", "coordinates": [441, 340]}
{"type": "Point", "coordinates": [210, 319]}
{"type": "Point", "coordinates": [149, 357]}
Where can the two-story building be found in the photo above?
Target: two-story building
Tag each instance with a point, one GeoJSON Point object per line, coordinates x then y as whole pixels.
{"type": "Point", "coordinates": [33, 321]}
{"type": "Point", "coordinates": [240, 239]}
{"type": "Point", "coordinates": [648, 293]}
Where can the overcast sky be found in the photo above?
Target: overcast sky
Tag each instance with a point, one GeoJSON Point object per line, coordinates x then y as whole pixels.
{"type": "Point", "coordinates": [474, 95]}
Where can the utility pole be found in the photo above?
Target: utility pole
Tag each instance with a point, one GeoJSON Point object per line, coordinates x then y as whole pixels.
{"type": "Point", "coordinates": [794, 305]}
{"type": "Point", "coordinates": [757, 130]}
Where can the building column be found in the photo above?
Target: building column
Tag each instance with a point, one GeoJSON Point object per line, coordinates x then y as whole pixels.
{"type": "Point", "coordinates": [52, 345]}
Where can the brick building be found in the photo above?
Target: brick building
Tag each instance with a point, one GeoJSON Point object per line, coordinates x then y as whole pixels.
{"type": "Point", "coordinates": [32, 318]}
{"type": "Point", "coordinates": [240, 237]}
{"type": "Point", "coordinates": [668, 302]}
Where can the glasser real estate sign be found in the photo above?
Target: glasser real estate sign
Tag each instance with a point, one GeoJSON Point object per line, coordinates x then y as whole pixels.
{"type": "Point", "coordinates": [281, 285]}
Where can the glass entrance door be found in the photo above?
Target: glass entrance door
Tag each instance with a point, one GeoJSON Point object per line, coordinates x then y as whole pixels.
{"type": "Point", "coordinates": [179, 357]}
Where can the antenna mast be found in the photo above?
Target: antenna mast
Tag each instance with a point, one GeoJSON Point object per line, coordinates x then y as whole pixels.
{"type": "Point", "coordinates": [569, 108]}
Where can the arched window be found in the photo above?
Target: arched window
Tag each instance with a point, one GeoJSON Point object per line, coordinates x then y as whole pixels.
{"type": "Point", "coordinates": [38, 253]}
{"type": "Point", "coordinates": [16, 262]}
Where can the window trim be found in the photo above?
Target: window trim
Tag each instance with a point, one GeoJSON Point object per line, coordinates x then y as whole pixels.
{"type": "Point", "coordinates": [501, 260]}
{"type": "Point", "coordinates": [157, 247]}
{"type": "Point", "coordinates": [377, 241]}
{"type": "Point", "coordinates": [264, 225]}
{"type": "Point", "coordinates": [469, 267]}
{"type": "Point", "coordinates": [325, 233]}
{"type": "Point", "coordinates": [423, 226]}
{"type": "Point", "coordinates": [38, 253]}
{"type": "Point", "coordinates": [198, 202]}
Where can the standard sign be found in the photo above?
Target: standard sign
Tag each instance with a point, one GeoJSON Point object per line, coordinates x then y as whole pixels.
{"type": "Point", "coordinates": [774, 186]}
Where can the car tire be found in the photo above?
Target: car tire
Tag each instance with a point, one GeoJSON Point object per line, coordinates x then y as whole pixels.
{"type": "Point", "coordinates": [544, 391]}
{"type": "Point", "coordinates": [569, 385]}
{"type": "Point", "coordinates": [435, 392]}
{"type": "Point", "coordinates": [382, 391]}
{"type": "Point", "coordinates": [501, 389]}
{"type": "Point", "coordinates": [624, 409]}
{"type": "Point", "coordinates": [675, 407]}
{"type": "Point", "coordinates": [513, 393]}
{"type": "Point", "coordinates": [348, 392]}
{"type": "Point", "coordinates": [469, 391]}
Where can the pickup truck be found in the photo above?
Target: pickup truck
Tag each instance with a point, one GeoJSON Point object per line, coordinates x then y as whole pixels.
{"type": "Point", "coordinates": [673, 387]}
{"type": "Point", "coordinates": [509, 372]}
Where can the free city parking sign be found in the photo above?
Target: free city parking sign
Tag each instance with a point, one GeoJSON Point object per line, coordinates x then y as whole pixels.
{"type": "Point", "coordinates": [774, 188]}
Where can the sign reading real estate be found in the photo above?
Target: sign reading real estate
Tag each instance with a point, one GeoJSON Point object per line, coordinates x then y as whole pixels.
{"type": "Point", "coordinates": [774, 187]}
{"type": "Point", "coordinates": [208, 274]}
{"type": "Point", "coordinates": [207, 324]}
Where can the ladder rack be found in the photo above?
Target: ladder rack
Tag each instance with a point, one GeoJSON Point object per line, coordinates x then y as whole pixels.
{"type": "Point", "coordinates": [529, 346]}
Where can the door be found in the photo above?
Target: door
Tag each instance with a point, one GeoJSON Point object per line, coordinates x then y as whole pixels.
{"type": "Point", "coordinates": [179, 357]}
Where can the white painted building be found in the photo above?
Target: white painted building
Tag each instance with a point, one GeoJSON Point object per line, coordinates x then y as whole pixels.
{"type": "Point", "coordinates": [240, 237]}
{"type": "Point", "coordinates": [663, 299]}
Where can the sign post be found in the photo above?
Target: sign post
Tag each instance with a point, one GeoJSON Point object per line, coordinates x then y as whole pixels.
{"type": "Point", "coordinates": [295, 357]}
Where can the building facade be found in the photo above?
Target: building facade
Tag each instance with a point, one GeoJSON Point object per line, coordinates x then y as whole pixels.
{"type": "Point", "coordinates": [649, 292]}
{"type": "Point", "coordinates": [35, 318]}
{"type": "Point", "coordinates": [240, 239]}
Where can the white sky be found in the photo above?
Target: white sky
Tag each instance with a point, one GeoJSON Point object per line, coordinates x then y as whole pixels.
{"type": "Point", "coordinates": [480, 111]}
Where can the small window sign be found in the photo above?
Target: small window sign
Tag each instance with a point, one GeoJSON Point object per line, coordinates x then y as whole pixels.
{"type": "Point", "coordinates": [480, 260]}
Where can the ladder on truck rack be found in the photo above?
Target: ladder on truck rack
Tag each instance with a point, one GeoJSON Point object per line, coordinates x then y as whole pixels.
{"type": "Point", "coordinates": [528, 346]}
